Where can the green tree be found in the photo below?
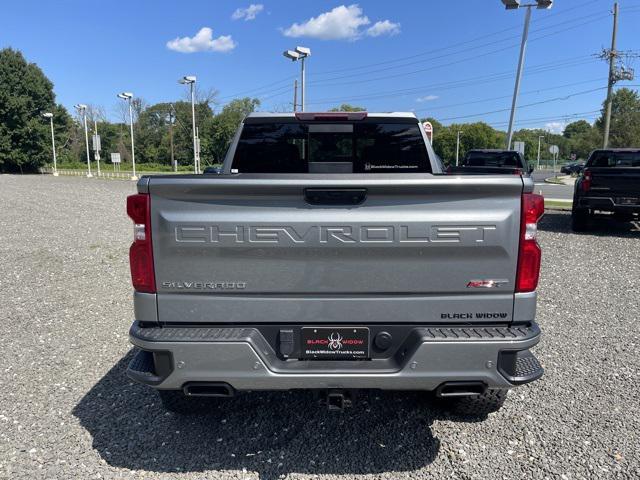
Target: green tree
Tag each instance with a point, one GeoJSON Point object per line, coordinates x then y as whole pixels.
{"type": "Point", "coordinates": [580, 127]}
{"type": "Point", "coordinates": [25, 93]}
{"type": "Point", "coordinates": [472, 136]}
{"type": "Point", "coordinates": [220, 130]}
{"type": "Point", "coordinates": [625, 119]}
{"type": "Point", "coordinates": [345, 107]}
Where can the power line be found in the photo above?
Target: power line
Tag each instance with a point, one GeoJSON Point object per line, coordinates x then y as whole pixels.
{"type": "Point", "coordinates": [507, 74]}
{"type": "Point", "coordinates": [466, 50]}
{"type": "Point", "coordinates": [289, 78]}
{"type": "Point", "coordinates": [473, 40]}
{"type": "Point", "coordinates": [448, 64]}
{"type": "Point", "coordinates": [550, 100]}
{"type": "Point", "coordinates": [236, 95]}
{"type": "Point", "coordinates": [440, 107]}
{"type": "Point", "coordinates": [547, 118]}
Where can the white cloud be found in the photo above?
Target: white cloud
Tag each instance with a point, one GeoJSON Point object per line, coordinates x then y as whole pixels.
{"type": "Point", "coordinates": [248, 13]}
{"type": "Point", "coordinates": [384, 27]}
{"type": "Point", "coordinates": [427, 98]}
{"type": "Point", "coordinates": [555, 127]}
{"type": "Point", "coordinates": [202, 41]}
{"type": "Point", "coordinates": [341, 23]}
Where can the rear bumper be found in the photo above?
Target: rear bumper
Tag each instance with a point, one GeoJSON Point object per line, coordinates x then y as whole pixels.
{"type": "Point", "coordinates": [607, 204]}
{"type": "Point", "coordinates": [170, 357]}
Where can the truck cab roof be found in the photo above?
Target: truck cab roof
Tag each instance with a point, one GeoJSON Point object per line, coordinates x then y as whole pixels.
{"type": "Point", "coordinates": [292, 115]}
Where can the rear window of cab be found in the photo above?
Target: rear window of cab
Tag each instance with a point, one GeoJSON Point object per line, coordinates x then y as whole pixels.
{"type": "Point", "coordinates": [340, 147]}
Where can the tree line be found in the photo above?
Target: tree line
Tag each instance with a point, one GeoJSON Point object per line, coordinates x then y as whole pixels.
{"type": "Point", "coordinates": [163, 131]}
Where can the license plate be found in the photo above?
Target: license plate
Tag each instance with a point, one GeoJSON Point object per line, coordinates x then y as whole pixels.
{"type": "Point", "coordinates": [627, 200]}
{"type": "Point", "coordinates": [327, 343]}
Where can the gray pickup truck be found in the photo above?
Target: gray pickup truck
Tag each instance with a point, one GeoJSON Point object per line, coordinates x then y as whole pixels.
{"type": "Point", "coordinates": [333, 253]}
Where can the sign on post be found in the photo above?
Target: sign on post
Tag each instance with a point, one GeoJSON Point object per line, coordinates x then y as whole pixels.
{"type": "Point", "coordinates": [96, 143]}
{"type": "Point", "coordinates": [115, 159]}
{"type": "Point", "coordinates": [428, 129]}
{"type": "Point", "coordinates": [519, 147]}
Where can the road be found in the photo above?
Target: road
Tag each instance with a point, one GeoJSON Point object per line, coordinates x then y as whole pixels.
{"type": "Point", "coordinates": [67, 410]}
{"type": "Point", "coordinates": [549, 190]}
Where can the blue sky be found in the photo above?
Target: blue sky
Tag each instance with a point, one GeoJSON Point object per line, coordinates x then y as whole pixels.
{"type": "Point", "coordinates": [456, 63]}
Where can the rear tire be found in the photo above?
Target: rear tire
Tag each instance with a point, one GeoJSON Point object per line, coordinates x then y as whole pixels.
{"type": "Point", "coordinates": [177, 402]}
{"type": "Point", "coordinates": [580, 219]}
{"type": "Point", "coordinates": [489, 402]}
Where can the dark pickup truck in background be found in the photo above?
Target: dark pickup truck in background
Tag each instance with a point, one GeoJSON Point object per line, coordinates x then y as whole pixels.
{"type": "Point", "coordinates": [492, 162]}
{"type": "Point", "coordinates": [610, 183]}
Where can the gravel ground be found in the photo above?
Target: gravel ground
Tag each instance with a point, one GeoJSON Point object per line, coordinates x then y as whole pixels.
{"type": "Point", "coordinates": [68, 411]}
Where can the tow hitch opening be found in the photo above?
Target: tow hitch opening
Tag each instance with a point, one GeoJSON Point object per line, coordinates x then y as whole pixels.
{"type": "Point", "coordinates": [337, 400]}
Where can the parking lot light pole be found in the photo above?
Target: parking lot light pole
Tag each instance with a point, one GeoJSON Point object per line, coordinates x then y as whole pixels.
{"type": "Point", "coordinates": [128, 96]}
{"type": "Point", "coordinates": [82, 110]}
{"type": "Point", "coordinates": [458, 146]}
{"type": "Point", "coordinates": [49, 115]}
{"type": "Point", "coordinates": [540, 137]}
{"type": "Point", "coordinates": [191, 81]}
{"type": "Point", "coordinates": [300, 53]}
{"type": "Point", "coordinates": [514, 5]}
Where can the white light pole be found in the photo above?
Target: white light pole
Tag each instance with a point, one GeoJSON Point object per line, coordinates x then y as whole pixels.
{"type": "Point", "coordinates": [128, 96]}
{"type": "Point", "coordinates": [300, 53]}
{"type": "Point", "coordinates": [458, 146]}
{"type": "Point", "coordinates": [514, 5]}
{"type": "Point", "coordinates": [540, 137]}
{"type": "Point", "coordinates": [53, 143]}
{"type": "Point", "coordinates": [96, 145]}
{"type": "Point", "coordinates": [82, 110]}
{"type": "Point", "coordinates": [191, 81]}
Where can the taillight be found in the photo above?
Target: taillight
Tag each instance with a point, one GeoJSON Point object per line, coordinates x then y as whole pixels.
{"type": "Point", "coordinates": [530, 254]}
{"type": "Point", "coordinates": [586, 181]}
{"type": "Point", "coordinates": [140, 253]}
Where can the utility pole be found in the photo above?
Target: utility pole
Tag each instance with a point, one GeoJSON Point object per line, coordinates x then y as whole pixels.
{"type": "Point", "coordinates": [612, 77]}
{"type": "Point", "coordinates": [295, 95]}
{"type": "Point", "coordinates": [173, 162]}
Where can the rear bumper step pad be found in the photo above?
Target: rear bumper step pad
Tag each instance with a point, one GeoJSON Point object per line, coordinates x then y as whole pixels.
{"type": "Point", "coordinates": [429, 356]}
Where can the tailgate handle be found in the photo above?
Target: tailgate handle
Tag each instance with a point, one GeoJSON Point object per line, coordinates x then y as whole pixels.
{"type": "Point", "coordinates": [335, 196]}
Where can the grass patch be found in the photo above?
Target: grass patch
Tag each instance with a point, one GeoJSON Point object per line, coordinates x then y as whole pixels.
{"type": "Point", "coordinates": [555, 180]}
{"type": "Point", "coordinates": [555, 205]}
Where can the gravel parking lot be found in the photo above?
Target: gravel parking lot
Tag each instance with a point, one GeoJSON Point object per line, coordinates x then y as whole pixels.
{"type": "Point", "coordinates": [68, 411]}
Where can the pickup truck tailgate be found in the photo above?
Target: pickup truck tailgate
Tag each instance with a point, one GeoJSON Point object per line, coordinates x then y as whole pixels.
{"type": "Point", "coordinates": [618, 181]}
{"type": "Point", "coordinates": [251, 248]}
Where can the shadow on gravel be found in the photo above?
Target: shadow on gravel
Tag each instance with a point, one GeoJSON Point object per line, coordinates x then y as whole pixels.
{"type": "Point", "coordinates": [602, 225]}
{"type": "Point", "coordinates": [269, 433]}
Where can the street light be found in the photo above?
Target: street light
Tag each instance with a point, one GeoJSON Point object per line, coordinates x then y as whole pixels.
{"type": "Point", "coordinates": [128, 97]}
{"type": "Point", "coordinates": [300, 53]}
{"type": "Point", "coordinates": [191, 81]}
{"type": "Point", "coordinates": [53, 143]}
{"type": "Point", "coordinates": [540, 137]}
{"type": "Point", "coordinates": [82, 110]}
{"type": "Point", "coordinates": [513, 5]}
{"type": "Point", "coordinates": [458, 146]}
